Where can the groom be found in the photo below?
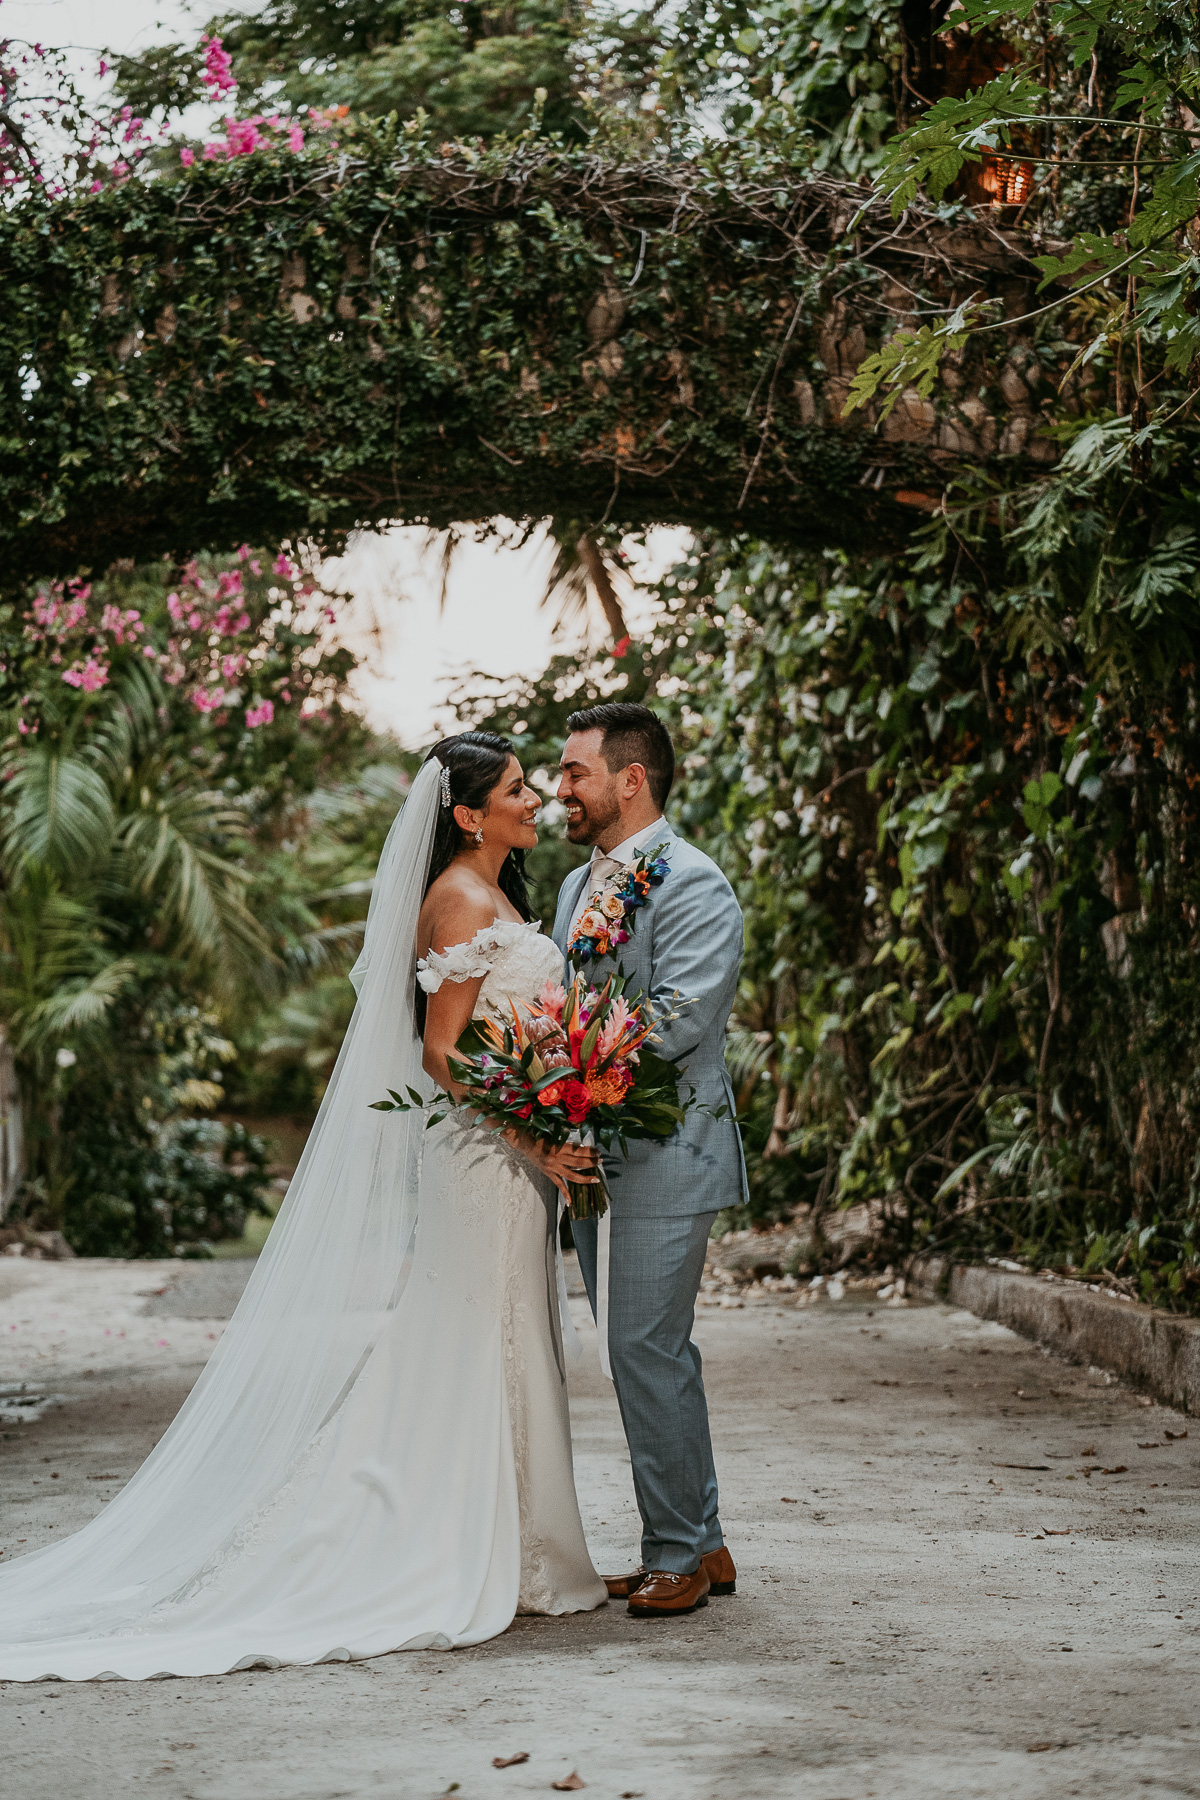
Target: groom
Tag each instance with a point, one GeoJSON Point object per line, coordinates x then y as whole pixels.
{"type": "Point", "coordinates": [617, 769]}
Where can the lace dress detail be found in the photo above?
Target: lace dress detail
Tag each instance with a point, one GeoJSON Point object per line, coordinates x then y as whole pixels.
{"type": "Point", "coordinates": [510, 955]}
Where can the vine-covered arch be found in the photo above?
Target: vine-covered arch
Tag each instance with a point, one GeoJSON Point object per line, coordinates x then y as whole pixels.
{"type": "Point", "coordinates": [250, 352]}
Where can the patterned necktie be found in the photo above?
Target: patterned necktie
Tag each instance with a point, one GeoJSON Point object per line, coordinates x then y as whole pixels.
{"type": "Point", "coordinates": [602, 868]}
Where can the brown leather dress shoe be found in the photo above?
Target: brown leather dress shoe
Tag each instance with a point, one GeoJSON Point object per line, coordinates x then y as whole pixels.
{"type": "Point", "coordinates": [663, 1593]}
{"type": "Point", "coordinates": [621, 1586]}
{"type": "Point", "coordinates": [718, 1566]}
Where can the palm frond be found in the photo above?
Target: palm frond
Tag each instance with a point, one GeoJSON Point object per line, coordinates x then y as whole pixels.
{"type": "Point", "coordinates": [581, 568]}
{"type": "Point", "coordinates": [60, 812]}
{"type": "Point", "coordinates": [173, 842]}
{"type": "Point", "coordinates": [325, 950]}
{"type": "Point", "coordinates": [74, 1006]}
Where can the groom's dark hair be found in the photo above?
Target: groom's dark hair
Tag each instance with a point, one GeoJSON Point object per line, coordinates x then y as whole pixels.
{"type": "Point", "coordinates": [632, 734]}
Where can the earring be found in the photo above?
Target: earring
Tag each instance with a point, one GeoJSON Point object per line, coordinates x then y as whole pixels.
{"type": "Point", "coordinates": [479, 835]}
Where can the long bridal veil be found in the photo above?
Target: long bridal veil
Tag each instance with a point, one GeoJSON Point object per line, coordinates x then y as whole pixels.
{"type": "Point", "coordinates": [319, 1296]}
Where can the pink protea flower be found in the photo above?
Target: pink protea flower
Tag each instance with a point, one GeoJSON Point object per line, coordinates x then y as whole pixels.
{"type": "Point", "coordinates": [262, 714]}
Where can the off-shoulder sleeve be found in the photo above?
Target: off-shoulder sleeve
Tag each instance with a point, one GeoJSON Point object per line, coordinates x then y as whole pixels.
{"type": "Point", "coordinates": [466, 962]}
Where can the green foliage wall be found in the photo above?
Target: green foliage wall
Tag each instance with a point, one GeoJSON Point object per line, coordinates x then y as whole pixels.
{"type": "Point", "coordinates": [961, 820]}
{"type": "Point", "coordinates": [289, 344]}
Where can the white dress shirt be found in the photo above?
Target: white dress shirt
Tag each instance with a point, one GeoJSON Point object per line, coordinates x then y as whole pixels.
{"type": "Point", "coordinates": [605, 863]}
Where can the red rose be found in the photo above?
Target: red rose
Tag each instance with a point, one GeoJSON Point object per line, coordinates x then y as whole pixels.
{"type": "Point", "coordinates": [577, 1101]}
{"type": "Point", "coordinates": [525, 1112]}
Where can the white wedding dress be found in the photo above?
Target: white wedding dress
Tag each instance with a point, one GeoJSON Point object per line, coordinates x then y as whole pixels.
{"type": "Point", "coordinates": [422, 1492]}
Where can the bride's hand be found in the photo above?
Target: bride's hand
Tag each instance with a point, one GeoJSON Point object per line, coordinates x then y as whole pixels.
{"type": "Point", "coordinates": [563, 1162]}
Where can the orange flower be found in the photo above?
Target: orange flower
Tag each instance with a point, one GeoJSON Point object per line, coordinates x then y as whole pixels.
{"type": "Point", "coordinates": [610, 1088]}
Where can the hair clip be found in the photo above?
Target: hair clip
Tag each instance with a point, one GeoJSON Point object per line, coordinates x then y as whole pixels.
{"type": "Point", "coordinates": [444, 785]}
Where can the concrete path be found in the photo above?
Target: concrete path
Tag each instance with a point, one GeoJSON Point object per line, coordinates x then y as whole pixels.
{"type": "Point", "coordinates": [966, 1569]}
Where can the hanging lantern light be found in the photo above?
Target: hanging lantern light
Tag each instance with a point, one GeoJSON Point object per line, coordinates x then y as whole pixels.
{"type": "Point", "coordinates": [1007, 183]}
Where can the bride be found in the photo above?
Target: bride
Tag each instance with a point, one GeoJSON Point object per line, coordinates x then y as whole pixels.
{"type": "Point", "coordinates": [377, 1456]}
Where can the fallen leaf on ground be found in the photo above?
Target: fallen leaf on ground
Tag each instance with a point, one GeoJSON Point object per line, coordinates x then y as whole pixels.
{"type": "Point", "coordinates": [1050, 1531]}
{"type": "Point", "coordinates": [1090, 1451]}
{"type": "Point", "coordinates": [1033, 1749]}
{"type": "Point", "coordinates": [788, 1501]}
{"type": "Point", "coordinates": [568, 1783]}
{"type": "Point", "coordinates": [507, 1762]}
{"type": "Point", "coordinates": [1175, 1434]}
{"type": "Point", "coordinates": [1154, 1445]}
{"type": "Point", "coordinates": [1039, 1468]}
{"type": "Point", "coordinates": [1119, 1469]}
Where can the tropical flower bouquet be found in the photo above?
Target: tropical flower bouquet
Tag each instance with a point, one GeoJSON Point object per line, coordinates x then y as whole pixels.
{"type": "Point", "coordinates": [573, 1066]}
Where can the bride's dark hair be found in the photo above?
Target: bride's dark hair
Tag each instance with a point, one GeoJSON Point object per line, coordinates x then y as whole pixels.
{"type": "Point", "coordinates": [477, 761]}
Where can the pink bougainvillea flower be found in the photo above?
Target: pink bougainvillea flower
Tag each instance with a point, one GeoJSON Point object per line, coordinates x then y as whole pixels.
{"type": "Point", "coordinates": [295, 139]}
{"type": "Point", "coordinates": [218, 76]}
{"type": "Point", "coordinates": [229, 582]}
{"type": "Point", "coordinates": [281, 566]}
{"type": "Point", "coordinates": [212, 150]}
{"type": "Point", "coordinates": [93, 675]}
{"type": "Point", "coordinates": [207, 700]}
{"type": "Point", "coordinates": [243, 136]}
{"type": "Point", "coordinates": [262, 714]}
{"type": "Point", "coordinates": [187, 158]}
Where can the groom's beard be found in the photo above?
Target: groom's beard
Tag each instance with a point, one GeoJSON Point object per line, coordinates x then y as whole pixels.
{"type": "Point", "coordinates": [591, 825]}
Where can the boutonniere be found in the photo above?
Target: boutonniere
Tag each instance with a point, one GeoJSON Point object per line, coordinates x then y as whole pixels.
{"type": "Point", "coordinates": [607, 920]}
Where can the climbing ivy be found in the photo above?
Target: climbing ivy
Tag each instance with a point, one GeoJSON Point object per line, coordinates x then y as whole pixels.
{"type": "Point", "coordinates": [374, 329]}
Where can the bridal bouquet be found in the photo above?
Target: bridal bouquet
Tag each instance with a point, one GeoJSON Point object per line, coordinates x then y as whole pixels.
{"type": "Point", "coordinates": [573, 1066]}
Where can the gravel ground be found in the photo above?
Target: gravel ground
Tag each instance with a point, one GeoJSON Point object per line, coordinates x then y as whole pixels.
{"type": "Point", "coordinates": [916, 1616]}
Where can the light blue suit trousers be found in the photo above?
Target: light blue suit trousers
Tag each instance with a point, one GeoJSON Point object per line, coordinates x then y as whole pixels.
{"type": "Point", "coordinates": [655, 1266]}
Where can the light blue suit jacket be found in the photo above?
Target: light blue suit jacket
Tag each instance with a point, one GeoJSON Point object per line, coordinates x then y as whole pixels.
{"type": "Point", "coordinates": [688, 937]}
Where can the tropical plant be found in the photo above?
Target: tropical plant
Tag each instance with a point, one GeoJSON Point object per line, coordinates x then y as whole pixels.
{"type": "Point", "coordinates": [153, 749]}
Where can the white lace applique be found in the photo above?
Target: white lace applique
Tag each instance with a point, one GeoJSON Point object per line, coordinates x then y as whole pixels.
{"type": "Point", "coordinates": [467, 962]}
